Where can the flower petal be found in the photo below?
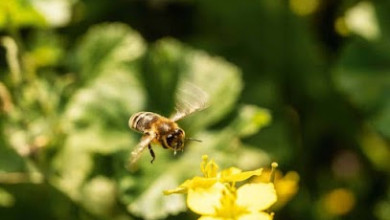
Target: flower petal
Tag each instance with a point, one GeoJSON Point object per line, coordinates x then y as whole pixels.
{"type": "Point", "coordinates": [202, 182]}
{"type": "Point", "coordinates": [238, 176]}
{"type": "Point", "coordinates": [176, 190]}
{"type": "Point", "coordinates": [205, 201]}
{"type": "Point", "coordinates": [230, 171]}
{"type": "Point", "coordinates": [256, 216]}
{"type": "Point", "coordinates": [192, 183]}
{"type": "Point", "coordinates": [256, 196]}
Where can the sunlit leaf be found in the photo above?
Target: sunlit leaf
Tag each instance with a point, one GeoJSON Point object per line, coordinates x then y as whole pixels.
{"type": "Point", "coordinates": [108, 101]}
{"type": "Point", "coordinates": [99, 195]}
{"type": "Point", "coordinates": [19, 13]}
{"type": "Point", "coordinates": [153, 205]}
{"type": "Point", "coordinates": [73, 164]}
{"type": "Point", "coordinates": [106, 47]}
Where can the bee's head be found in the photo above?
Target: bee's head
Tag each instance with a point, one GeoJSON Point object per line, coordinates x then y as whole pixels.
{"type": "Point", "coordinates": [175, 140]}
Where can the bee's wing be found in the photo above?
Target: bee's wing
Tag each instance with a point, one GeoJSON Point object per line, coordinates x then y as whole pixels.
{"type": "Point", "coordinates": [189, 100]}
{"type": "Point", "coordinates": [136, 153]}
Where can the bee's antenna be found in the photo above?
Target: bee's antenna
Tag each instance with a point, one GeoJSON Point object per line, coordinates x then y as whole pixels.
{"type": "Point", "coordinates": [193, 139]}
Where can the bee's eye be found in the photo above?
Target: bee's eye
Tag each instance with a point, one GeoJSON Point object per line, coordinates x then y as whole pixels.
{"type": "Point", "coordinates": [170, 140]}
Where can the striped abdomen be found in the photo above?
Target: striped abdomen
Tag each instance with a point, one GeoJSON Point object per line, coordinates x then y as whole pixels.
{"type": "Point", "coordinates": [143, 121]}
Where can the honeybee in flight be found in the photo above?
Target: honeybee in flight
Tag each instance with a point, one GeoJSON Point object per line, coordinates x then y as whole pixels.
{"type": "Point", "coordinates": [165, 131]}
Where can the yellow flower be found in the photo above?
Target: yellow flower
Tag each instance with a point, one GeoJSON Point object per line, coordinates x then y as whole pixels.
{"type": "Point", "coordinates": [248, 202]}
{"type": "Point", "coordinates": [215, 197]}
{"type": "Point", "coordinates": [211, 176]}
{"type": "Point", "coordinates": [286, 186]}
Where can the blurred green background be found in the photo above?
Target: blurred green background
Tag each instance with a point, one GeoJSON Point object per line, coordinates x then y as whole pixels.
{"type": "Point", "coordinates": [305, 83]}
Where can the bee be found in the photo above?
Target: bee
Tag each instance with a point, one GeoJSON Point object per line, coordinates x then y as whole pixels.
{"type": "Point", "coordinates": [165, 131]}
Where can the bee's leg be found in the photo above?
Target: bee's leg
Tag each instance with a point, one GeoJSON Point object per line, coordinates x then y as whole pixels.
{"type": "Point", "coordinates": [151, 153]}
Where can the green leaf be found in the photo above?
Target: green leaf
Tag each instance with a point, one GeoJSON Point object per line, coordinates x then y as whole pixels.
{"type": "Point", "coordinates": [98, 196]}
{"type": "Point", "coordinates": [19, 13]}
{"type": "Point", "coordinates": [72, 164]}
{"type": "Point", "coordinates": [152, 204]}
{"type": "Point", "coordinates": [108, 101]}
{"type": "Point", "coordinates": [106, 47]}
